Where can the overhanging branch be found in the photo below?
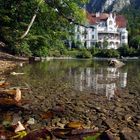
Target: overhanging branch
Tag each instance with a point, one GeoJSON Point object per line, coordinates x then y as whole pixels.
{"type": "Point", "coordinates": [54, 5]}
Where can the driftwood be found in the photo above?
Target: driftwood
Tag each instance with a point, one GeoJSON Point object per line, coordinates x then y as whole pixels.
{"type": "Point", "coordinates": [16, 93]}
{"type": "Point", "coordinates": [8, 92]}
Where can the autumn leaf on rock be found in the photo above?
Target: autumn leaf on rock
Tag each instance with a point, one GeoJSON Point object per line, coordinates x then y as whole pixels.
{"type": "Point", "coordinates": [77, 125]}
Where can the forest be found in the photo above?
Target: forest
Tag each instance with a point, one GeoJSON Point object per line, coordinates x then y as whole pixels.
{"type": "Point", "coordinates": [43, 28]}
{"type": "Point", "coordinates": [38, 27]}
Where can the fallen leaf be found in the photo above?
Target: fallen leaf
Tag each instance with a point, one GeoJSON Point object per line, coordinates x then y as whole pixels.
{"type": "Point", "coordinates": [96, 137]}
{"type": "Point", "coordinates": [4, 84]}
{"type": "Point", "coordinates": [19, 127]}
{"type": "Point", "coordinates": [47, 115]}
{"type": "Point", "coordinates": [19, 135]}
{"type": "Point", "coordinates": [73, 134]}
{"type": "Point", "coordinates": [39, 134]}
{"type": "Point", "coordinates": [61, 133]}
{"type": "Point", "coordinates": [77, 125]}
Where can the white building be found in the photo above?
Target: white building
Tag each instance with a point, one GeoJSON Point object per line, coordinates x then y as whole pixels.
{"type": "Point", "coordinates": [108, 30]}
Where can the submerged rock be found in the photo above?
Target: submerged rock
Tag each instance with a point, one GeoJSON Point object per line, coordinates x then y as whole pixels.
{"type": "Point", "coordinates": [115, 63]}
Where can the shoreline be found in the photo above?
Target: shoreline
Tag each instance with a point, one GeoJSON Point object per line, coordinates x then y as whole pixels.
{"type": "Point", "coordinates": [118, 117]}
{"type": "Point", "coordinates": [74, 58]}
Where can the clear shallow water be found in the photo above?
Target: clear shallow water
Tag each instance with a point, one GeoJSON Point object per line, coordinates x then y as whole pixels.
{"type": "Point", "coordinates": [79, 75]}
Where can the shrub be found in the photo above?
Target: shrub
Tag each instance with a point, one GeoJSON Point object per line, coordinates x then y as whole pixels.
{"type": "Point", "coordinates": [94, 51]}
{"type": "Point", "coordinates": [124, 50]}
{"type": "Point", "coordinates": [54, 53]}
{"type": "Point", "coordinates": [110, 53]}
{"type": "Point", "coordinates": [38, 46]}
{"type": "Point", "coordinates": [84, 54]}
{"type": "Point", "coordinates": [72, 53]}
{"type": "Point", "coordinates": [23, 49]}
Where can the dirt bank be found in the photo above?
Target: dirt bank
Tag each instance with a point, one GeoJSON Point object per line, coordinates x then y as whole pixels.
{"type": "Point", "coordinates": [8, 62]}
{"type": "Point", "coordinates": [6, 65]}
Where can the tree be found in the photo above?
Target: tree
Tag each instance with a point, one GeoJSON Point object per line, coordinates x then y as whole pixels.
{"type": "Point", "coordinates": [135, 42]}
{"type": "Point", "coordinates": [25, 21]}
{"type": "Point", "coordinates": [105, 44]}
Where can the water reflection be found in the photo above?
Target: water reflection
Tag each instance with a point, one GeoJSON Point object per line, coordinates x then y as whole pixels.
{"type": "Point", "coordinates": [100, 81]}
{"type": "Point", "coordinates": [89, 76]}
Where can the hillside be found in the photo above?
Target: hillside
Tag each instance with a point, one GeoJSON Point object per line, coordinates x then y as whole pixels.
{"type": "Point", "coordinates": [112, 5]}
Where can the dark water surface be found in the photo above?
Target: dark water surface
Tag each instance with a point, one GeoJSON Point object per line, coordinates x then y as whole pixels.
{"type": "Point", "coordinates": [80, 75]}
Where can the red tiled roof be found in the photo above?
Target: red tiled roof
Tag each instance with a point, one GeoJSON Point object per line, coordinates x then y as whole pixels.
{"type": "Point", "coordinates": [93, 19]}
{"type": "Point", "coordinates": [121, 21]}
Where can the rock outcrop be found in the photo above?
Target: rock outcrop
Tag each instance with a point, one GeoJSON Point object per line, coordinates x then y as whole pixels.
{"type": "Point", "coordinates": [107, 5]}
{"type": "Point", "coordinates": [115, 63]}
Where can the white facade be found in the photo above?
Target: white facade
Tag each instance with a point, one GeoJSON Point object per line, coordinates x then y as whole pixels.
{"type": "Point", "coordinates": [105, 32]}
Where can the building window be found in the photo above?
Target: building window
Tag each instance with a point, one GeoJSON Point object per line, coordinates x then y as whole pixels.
{"type": "Point", "coordinates": [92, 36]}
{"type": "Point", "coordinates": [123, 37]}
{"type": "Point", "coordinates": [110, 22]}
{"type": "Point", "coordinates": [92, 43]}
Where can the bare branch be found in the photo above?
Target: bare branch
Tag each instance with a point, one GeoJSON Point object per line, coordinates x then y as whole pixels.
{"type": "Point", "coordinates": [30, 24]}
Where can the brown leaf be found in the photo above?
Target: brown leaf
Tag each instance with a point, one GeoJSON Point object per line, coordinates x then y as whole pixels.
{"type": "Point", "coordinates": [73, 134]}
{"type": "Point", "coordinates": [19, 127]}
{"type": "Point", "coordinates": [77, 125]}
{"type": "Point", "coordinates": [47, 115]}
{"type": "Point", "coordinates": [38, 134]}
{"type": "Point", "coordinates": [61, 133]}
{"type": "Point", "coordinates": [4, 84]}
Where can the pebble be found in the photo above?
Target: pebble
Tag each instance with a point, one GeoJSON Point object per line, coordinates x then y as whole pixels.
{"type": "Point", "coordinates": [31, 121]}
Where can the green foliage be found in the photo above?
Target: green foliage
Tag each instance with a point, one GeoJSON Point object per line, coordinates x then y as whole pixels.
{"type": "Point", "coordinates": [84, 53]}
{"type": "Point", "coordinates": [73, 53]}
{"type": "Point", "coordinates": [135, 42]}
{"type": "Point", "coordinates": [109, 53]}
{"type": "Point", "coordinates": [54, 53]}
{"type": "Point", "coordinates": [78, 45]}
{"type": "Point", "coordinates": [23, 49]}
{"type": "Point", "coordinates": [94, 50]}
{"type": "Point", "coordinates": [126, 51]}
{"type": "Point", "coordinates": [105, 43]}
{"type": "Point", "coordinates": [38, 46]}
{"type": "Point", "coordinates": [138, 52]}
{"type": "Point", "coordinates": [132, 15]}
{"type": "Point", "coordinates": [49, 30]}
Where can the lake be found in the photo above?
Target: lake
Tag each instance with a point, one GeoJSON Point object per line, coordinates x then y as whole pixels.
{"type": "Point", "coordinates": [62, 91]}
{"type": "Point", "coordinates": [80, 75]}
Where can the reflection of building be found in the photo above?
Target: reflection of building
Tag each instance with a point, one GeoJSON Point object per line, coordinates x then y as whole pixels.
{"type": "Point", "coordinates": [110, 90]}
{"type": "Point", "coordinates": [105, 81]}
{"type": "Point", "coordinates": [123, 79]}
{"type": "Point", "coordinates": [108, 30]}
